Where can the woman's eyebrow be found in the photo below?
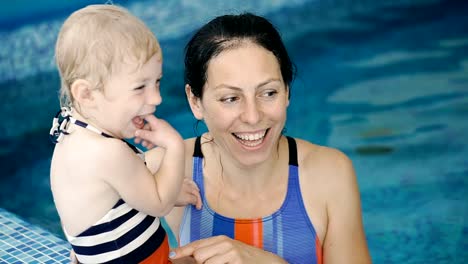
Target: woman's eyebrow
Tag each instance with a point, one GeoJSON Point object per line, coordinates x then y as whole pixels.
{"type": "Point", "coordinates": [227, 86]}
{"type": "Point", "coordinates": [268, 81]}
{"type": "Point", "coordinates": [223, 85]}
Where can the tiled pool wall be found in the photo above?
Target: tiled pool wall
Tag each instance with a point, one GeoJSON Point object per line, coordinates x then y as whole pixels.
{"type": "Point", "coordinates": [22, 242]}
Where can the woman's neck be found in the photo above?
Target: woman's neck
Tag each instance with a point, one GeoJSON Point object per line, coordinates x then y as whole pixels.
{"type": "Point", "coordinates": [254, 179]}
{"type": "Point", "coordinates": [260, 189]}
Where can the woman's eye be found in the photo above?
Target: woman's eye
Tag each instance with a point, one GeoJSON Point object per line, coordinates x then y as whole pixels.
{"type": "Point", "coordinates": [228, 100]}
{"type": "Point", "coordinates": [270, 93]}
{"type": "Point", "coordinates": [139, 87]}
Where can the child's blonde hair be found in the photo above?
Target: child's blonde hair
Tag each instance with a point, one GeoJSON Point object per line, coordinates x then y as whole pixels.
{"type": "Point", "coordinates": [96, 41]}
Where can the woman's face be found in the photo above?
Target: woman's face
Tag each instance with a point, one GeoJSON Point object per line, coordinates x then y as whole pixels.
{"type": "Point", "coordinates": [244, 103]}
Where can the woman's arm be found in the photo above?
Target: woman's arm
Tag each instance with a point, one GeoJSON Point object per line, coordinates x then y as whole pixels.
{"type": "Point", "coordinates": [345, 241]}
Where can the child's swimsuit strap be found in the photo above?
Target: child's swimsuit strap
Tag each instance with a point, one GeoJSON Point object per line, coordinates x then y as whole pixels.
{"type": "Point", "coordinates": [61, 125]}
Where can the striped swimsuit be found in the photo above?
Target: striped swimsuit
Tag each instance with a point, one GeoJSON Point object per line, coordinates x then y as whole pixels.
{"type": "Point", "coordinates": [288, 232]}
{"type": "Point", "coordinates": [123, 235]}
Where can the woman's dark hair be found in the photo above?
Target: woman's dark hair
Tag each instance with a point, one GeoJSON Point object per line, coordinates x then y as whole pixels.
{"type": "Point", "coordinates": [228, 31]}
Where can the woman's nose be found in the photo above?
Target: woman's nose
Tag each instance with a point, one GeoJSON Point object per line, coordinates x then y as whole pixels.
{"type": "Point", "coordinates": [251, 113]}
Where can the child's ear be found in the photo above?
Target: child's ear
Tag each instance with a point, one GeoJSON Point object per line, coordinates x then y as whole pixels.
{"type": "Point", "coordinates": [194, 102]}
{"type": "Point", "coordinates": [82, 93]}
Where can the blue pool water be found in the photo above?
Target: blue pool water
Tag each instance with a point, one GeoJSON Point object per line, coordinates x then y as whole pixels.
{"type": "Point", "coordinates": [384, 81]}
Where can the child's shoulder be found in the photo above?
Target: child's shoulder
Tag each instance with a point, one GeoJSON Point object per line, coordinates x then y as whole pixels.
{"type": "Point", "coordinates": [95, 158]}
{"type": "Point", "coordinates": [88, 148]}
{"type": "Point", "coordinates": [111, 150]}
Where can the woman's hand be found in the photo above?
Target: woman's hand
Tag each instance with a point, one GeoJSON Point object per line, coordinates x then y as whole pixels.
{"type": "Point", "coordinates": [184, 260]}
{"type": "Point", "coordinates": [73, 259]}
{"type": "Point", "coordinates": [222, 249]}
{"type": "Point", "coordinates": [189, 194]}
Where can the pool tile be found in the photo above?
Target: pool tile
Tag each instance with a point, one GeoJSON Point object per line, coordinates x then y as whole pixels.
{"type": "Point", "coordinates": [22, 242]}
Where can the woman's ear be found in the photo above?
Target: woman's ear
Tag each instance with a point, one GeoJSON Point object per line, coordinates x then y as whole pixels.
{"type": "Point", "coordinates": [194, 102]}
{"type": "Point", "coordinates": [288, 92]}
{"type": "Point", "coordinates": [82, 93]}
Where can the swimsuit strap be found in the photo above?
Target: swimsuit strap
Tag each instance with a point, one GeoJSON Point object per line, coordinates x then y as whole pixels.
{"type": "Point", "coordinates": [61, 125]}
{"type": "Point", "coordinates": [292, 151]}
{"type": "Point", "coordinates": [197, 149]}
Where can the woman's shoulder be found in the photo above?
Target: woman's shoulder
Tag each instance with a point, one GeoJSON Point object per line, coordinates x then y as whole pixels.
{"type": "Point", "coordinates": [310, 152]}
{"type": "Point", "coordinates": [189, 146]}
{"type": "Point", "coordinates": [190, 142]}
{"type": "Point", "coordinates": [189, 149]}
{"type": "Point", "coordinates": [325, 164]}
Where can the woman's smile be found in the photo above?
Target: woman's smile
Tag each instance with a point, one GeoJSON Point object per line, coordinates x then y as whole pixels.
{"type": "Point", "coordinates": [251, 139]}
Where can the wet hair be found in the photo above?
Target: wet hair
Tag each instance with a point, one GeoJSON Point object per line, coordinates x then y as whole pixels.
{"type": "Point", "coordinates": [228, 32]}
{"type": "Point", "coordinates": [95, 41]}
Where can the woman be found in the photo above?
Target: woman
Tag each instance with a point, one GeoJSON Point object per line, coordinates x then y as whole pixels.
{"type": "Point", "coordinates": [267, 198]}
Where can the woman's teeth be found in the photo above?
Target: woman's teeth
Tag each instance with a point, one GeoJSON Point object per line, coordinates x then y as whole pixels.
{"type": "Point", "coordinates": [251, 140]}
{"type": "Point", "coordinates": [251, 137]}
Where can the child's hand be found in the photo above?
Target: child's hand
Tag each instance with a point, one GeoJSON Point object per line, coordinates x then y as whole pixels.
{"type": "Point", "coordinates": [156, 132]}
{"type": "Point", "coordinates": [189, 194]}
{"type": "Point", "coordinates": [140, 123]}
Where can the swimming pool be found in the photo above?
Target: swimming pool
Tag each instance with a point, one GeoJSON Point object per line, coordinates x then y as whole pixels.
{"type": "Point", "coordinates": [385, 83]}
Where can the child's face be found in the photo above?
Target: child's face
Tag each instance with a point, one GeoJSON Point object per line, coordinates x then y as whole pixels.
{"type": "Point", "coordinates": [129, 94]}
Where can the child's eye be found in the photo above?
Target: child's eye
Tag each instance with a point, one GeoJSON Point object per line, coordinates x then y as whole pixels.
{"type": "Point", "coordinates": [139, 87]}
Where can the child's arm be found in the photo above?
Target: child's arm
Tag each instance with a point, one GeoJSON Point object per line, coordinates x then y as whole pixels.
{"type": "Point", "coordinates": [189, 192]}
{"type": "Point", "coordinates": [153, 193]}
{"type": "Point", "coordinates": [170, 173]}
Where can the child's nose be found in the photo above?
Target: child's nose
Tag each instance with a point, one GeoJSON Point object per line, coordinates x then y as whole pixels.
{"type": "Point", "coordinates": [153, 97]}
